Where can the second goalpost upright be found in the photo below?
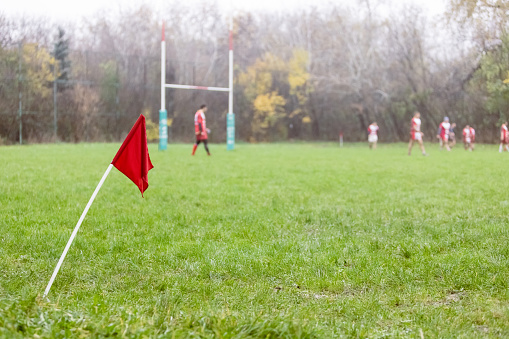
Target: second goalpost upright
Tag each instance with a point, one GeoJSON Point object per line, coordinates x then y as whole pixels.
{"type": "Point", "coordinates": [230, 117]}
{"type": "Point", "coordinates": [163, 114]}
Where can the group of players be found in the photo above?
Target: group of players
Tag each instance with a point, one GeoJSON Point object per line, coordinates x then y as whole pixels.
{"type": "Point", "coordinates": [445, 134]}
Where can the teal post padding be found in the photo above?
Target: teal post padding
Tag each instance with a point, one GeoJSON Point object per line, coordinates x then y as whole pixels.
{"type": "Point", "coordinates": [163, 130]}
{"type": "Point", "coordinates": [230, 131]}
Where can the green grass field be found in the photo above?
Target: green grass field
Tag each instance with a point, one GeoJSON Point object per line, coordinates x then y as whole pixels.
{"type": "Point", "coordinates": [267, 241]}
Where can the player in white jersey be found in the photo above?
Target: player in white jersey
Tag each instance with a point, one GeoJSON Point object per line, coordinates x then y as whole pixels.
{"type": "Point", "coordinates": [468, 138]}
{"type": "Point", "coordinates": [416, 134]}
{"type": "Point", "coordinates": [373, 135]}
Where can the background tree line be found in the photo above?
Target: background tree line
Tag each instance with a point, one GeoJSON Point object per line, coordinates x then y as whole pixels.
{"type": "Point", "coordinates": [302, 75]}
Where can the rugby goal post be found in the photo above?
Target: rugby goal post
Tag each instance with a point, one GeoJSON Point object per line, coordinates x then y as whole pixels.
{"type": "Point", "coordinates": [163, 114]}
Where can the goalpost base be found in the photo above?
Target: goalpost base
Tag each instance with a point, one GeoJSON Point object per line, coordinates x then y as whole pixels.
{"type": "Point", "coordinates": [163, 130]}
{"type": "Point", "coordinates": [230, 131]}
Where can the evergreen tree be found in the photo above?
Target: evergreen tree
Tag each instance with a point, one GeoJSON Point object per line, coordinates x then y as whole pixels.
{"type": "Point", "coordinates": [61, 54]}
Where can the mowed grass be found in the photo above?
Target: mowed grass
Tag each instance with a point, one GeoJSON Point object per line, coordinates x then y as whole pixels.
{"type": "Point", "coordinates": [267, 241]}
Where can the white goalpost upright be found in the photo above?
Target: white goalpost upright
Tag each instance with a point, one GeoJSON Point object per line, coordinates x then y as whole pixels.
{"type": "Point", "coordinates": [163, 114]}
{"type": "Point", "coordinates": [230, 117]}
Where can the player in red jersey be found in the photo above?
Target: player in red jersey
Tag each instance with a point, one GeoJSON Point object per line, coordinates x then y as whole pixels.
{"type": "Point", "coordinates": [373, 135]}
{"type": "Point", "coordinates": [416, 134]}
{"type": "Point", "coordinates": [469, 138]}
{"type": "Point", "coordinates": [443, 133]}
{"type": "Point", "coordinates": [504, 138]}
{"type": "Point", "coordinates": [200, 129]}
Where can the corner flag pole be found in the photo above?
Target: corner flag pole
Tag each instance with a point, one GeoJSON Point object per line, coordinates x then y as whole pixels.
{"type": "Point", "coordinates": [71, 239]}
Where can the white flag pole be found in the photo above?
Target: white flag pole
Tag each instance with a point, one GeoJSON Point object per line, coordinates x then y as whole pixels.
{"type": "Point", "coordinates": [62, 257]}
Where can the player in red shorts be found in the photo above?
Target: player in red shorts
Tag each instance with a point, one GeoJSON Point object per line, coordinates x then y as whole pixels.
{"type": "Point", "coordinates": [504, 138]}
{"type": "Point", "coordinates": [416, 134]}
{"type": "Point", "coordinates": [200, 129]}
{"type": "Point", "coordinates": [443, 133]}
{"type": "Point", "coordinates": [469, 138]}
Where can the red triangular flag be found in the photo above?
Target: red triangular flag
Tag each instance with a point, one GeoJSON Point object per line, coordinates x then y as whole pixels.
{"type": "Point", "coordinates": [132, 158]}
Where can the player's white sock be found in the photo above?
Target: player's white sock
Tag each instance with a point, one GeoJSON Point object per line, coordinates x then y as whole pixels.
{"type": "Point", "coordinates": [500, 149]}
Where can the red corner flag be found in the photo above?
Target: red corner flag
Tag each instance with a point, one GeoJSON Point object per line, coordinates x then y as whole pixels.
{"type": "Point", "coordinates": [132, 158]}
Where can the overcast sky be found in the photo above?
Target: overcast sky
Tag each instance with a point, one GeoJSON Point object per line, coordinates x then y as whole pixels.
{"type": "Point", "coordinates": [75, 10]}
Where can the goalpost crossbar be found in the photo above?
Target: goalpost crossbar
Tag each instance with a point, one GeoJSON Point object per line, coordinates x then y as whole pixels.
{"type": "Point", "coordinates": [203, 88]}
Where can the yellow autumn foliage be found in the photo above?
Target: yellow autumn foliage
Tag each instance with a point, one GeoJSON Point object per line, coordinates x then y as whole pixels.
{"type": "Point", "coordinates": [298, 79]}
{"type": "Point", "coordinates": [262, 81]}
{"type": "Point", "coordinates": [269, 103]}
{"type": "Point", "coordinates": [298, 75]}
{"type": "Point", "coordinates": [38, 64]}
{"type": "Point", "coordinates": [152, 127]}
{"type": "Point", "coordinates": [306, 120]}
{"type": "Point", "coordinates": [258, 77]}
{"type": "Point", "coordinates": [506, 81]}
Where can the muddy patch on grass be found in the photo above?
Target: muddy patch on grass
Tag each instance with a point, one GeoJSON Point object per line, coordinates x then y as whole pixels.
{"type": "Point", "coordinates": [450, 298]}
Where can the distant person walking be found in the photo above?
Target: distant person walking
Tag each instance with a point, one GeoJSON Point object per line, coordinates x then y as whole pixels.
{"type": "Point", "coordinates": [504, 138]}
{"type": "Point", "coordinates": [200, 129]}
{"type": "Point", "coordinates": [373, 135]}
{"type": "Point", "coordinates": [416, 134]}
